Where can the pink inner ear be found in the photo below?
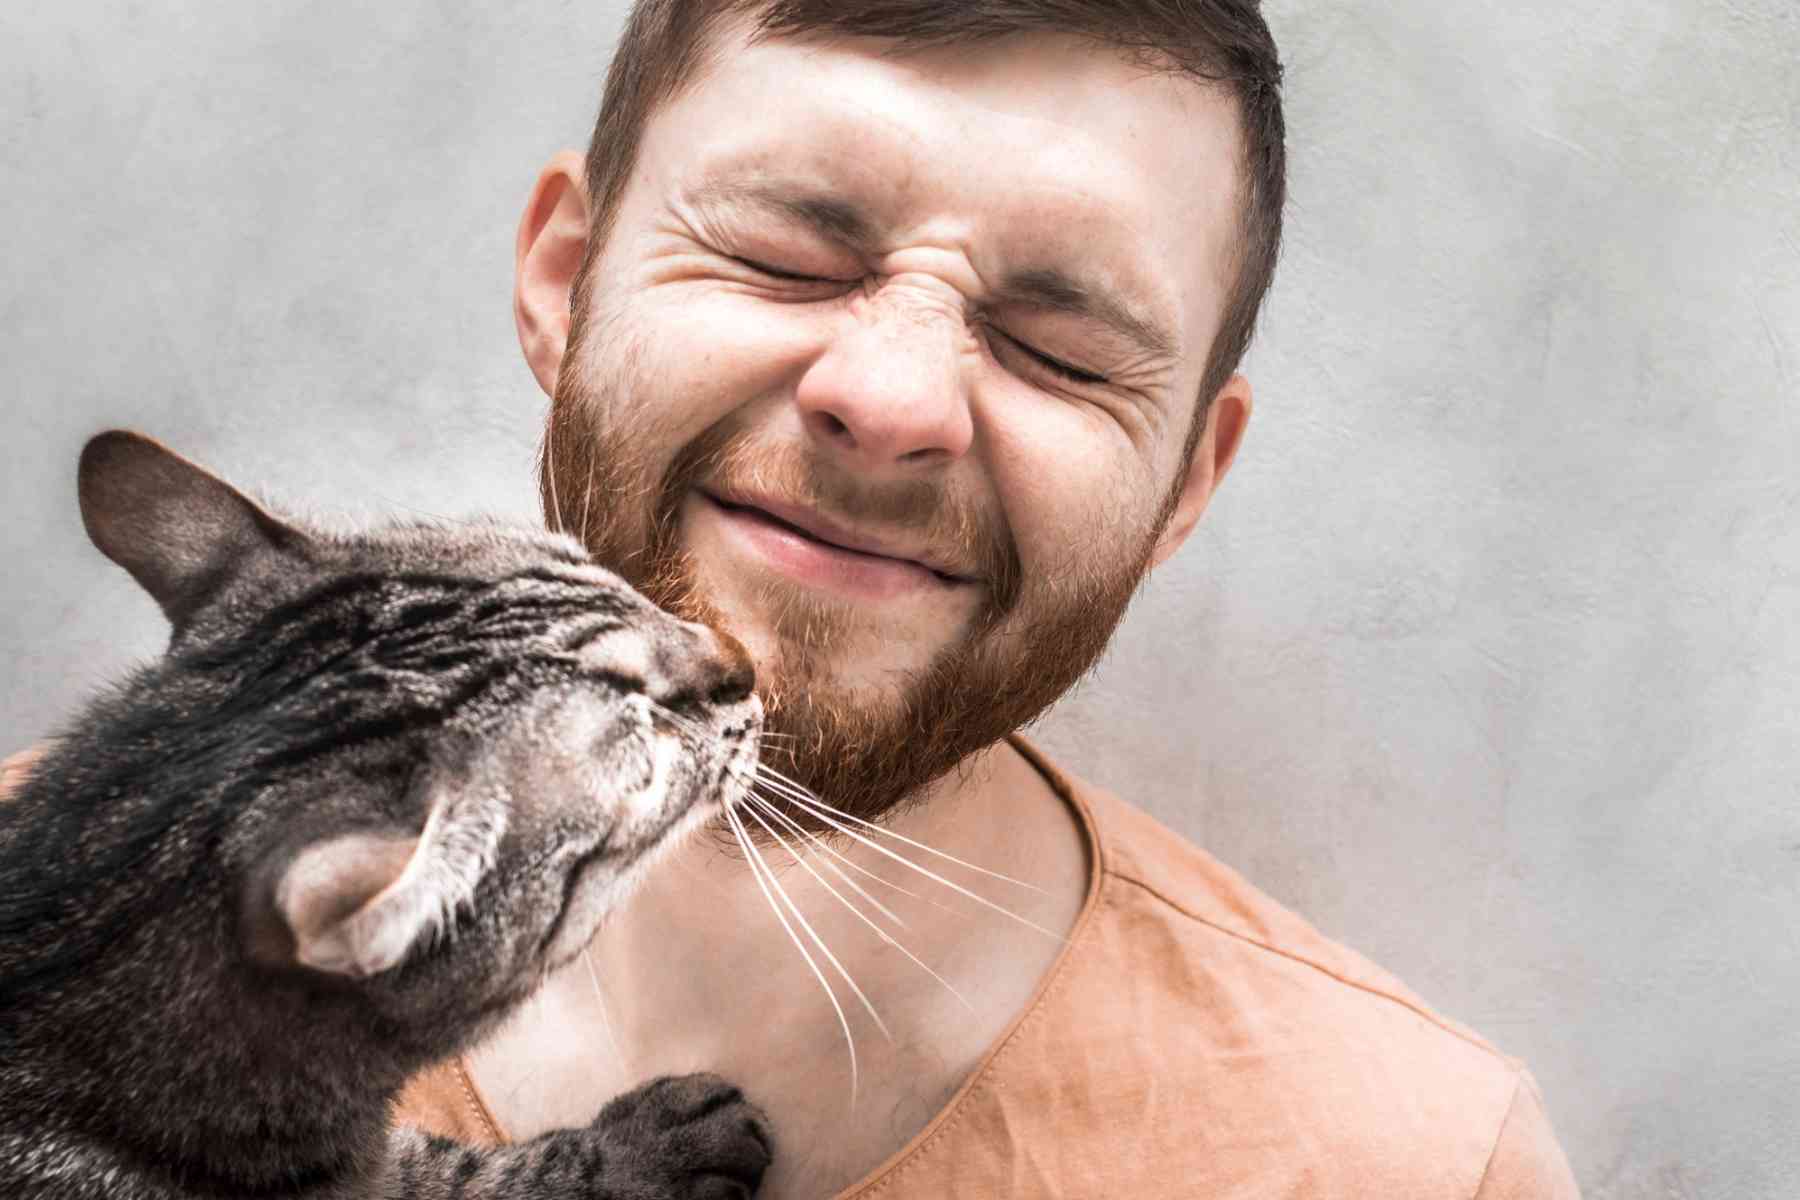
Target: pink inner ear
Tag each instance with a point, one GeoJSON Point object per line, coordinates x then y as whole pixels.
{"type": "Point", "coordinates": [329, 884]}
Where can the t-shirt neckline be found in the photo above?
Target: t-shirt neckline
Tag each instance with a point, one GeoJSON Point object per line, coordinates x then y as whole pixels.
{"type": "Point", "coordinates": [945, 1117]}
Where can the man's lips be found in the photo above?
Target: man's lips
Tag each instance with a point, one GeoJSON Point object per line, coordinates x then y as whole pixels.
{"type": "Point", "coordinates": [834, 539]}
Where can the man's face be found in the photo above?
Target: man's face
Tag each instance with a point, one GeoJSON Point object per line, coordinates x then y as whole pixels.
{"type": "Point", "coordinates": [886, 366]}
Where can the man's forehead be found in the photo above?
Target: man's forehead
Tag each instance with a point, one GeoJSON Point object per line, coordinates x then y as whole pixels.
{"type": "Point", "coordinates": [1106, 173]}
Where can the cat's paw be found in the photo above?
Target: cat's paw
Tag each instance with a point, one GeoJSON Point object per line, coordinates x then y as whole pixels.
{"type": "Point", "coordinates": [688, 1137]}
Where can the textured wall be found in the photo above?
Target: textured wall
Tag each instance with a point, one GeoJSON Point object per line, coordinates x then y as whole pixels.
{"type": "Point", "coordinates": [1488, 656]}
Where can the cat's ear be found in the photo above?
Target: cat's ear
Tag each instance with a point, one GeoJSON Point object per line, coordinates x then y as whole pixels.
{"type": "Point", "coordinates": [179, 529]}
{"type": "Point", "coordinates": [352, 904]}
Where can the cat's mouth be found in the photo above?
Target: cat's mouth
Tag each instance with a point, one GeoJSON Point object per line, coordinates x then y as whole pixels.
{"type": "Point", "coordinates": [600, 879]}
{"type": "Point", "coordinates": [573, 883]}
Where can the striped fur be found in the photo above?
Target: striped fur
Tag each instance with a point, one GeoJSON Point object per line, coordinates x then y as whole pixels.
{"type": "Point", "coordinates": [379, 785]}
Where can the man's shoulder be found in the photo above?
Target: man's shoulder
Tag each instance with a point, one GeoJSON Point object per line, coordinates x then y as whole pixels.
{"type": "Point", "coordinates": [1187, 981]}
{"type": "Point", "coordinates": [1212, 911]}
{"type": "Point", "coordinates": [1190, 887]}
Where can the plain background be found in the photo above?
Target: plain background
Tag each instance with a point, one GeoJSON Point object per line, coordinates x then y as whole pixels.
{"type": "Point", "coordinates": [1487, 658]}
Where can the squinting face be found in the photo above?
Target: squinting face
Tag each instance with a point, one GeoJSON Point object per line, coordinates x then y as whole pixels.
{"type": "Point", "coordinates": [886, 366]}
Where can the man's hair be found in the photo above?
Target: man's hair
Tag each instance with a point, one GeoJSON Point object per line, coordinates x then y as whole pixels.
{"type": "Point", "coordinates": [1225, 43]}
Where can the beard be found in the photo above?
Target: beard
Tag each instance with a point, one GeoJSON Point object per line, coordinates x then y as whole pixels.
{"type": "Point", "coordinates": [870, 751]}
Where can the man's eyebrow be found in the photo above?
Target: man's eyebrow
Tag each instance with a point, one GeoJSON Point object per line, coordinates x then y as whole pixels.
{"type": "Point", "coordinates": [836, 219]}
{"type": "Point", "coordinates": [1048, 287]}
{"type": "Point", "coordinates": [1041, 287]}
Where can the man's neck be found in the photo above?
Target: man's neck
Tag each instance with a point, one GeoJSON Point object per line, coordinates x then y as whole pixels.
{"type": "Point", "coordinates": [699, 972]}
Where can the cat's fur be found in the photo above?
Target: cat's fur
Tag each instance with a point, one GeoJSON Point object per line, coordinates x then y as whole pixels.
{"type": "Point", "coordinates": [379, 785]}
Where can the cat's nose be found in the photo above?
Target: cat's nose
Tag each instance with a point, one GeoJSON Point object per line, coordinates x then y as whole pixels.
{"type": "Point", "coordinates": [737, 674]}
{"type": "Point", "coordinates": [707, 666]}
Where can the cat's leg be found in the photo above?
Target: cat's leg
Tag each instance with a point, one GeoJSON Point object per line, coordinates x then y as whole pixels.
{"type": "Point", "coordinates": [689, 1137]}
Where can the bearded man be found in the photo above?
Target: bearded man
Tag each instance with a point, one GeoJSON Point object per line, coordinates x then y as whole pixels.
{"type": "Point", "coordinates": [900, 339]}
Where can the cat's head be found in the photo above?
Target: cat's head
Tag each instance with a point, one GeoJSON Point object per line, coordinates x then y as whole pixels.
{"type": "Point", "coordinates": [435, 751]}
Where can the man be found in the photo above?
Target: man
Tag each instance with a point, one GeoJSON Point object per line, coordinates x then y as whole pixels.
{"type": "Point", "coordinates": [901, 342]}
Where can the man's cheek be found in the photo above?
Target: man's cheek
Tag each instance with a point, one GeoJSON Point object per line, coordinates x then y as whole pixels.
{"type": "Point", "coordinates": [728, 346]}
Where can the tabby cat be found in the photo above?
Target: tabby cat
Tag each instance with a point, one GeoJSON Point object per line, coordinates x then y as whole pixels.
{"type": "Point", "coordinates": [379, 785]}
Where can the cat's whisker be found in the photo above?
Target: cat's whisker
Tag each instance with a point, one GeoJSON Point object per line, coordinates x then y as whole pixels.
{"type": "Point", "coordinates": [821, 844]}
{"type": "Point", "coordinates": [808, 798]}
{"type": "Point", "coordinates": [801, 799]}
{"type": "Point", "coordinates": [699, 732]}
{"type": "Point", "coordinates": [798, 794]}
{"type": "Point", "coordinates": [819, 941]}
{"type": "Point", "coordinates": [679, 720]}
{"type": "Point", "coordinates": [806, 866]}
{"type": "Point", "coordinates": [586, 502]}
{"type": "Point", "coordinates": [756, 869]}
{"type": "Point", "coordinates": [776, 801]}
{"type": "Point", "coordinates": [587, 958]}
{"type": "Point", "coordinates": [910, 865]}
{"type": "Point", "coordinates": [860, 915]}
{"type": "Point", "coordinates": [550, 468]}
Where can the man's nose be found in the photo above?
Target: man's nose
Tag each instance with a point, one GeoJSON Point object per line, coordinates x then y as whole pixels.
{"type": "Point", "coordinates": [889, 392]}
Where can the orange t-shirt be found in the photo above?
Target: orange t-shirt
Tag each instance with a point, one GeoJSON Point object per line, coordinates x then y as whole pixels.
{"type": "Point", "coordinates": [1196, 1039]}
{"type": "Point", "coordinates": [1193, 1039]}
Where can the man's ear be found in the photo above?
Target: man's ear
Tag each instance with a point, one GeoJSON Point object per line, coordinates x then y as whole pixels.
{"type": "Point", "coordinates": [553, 236]}
{"type": "Point", "coordinates": [179, 529]}
{"type": "Point", "coordinates": [1226, 418]}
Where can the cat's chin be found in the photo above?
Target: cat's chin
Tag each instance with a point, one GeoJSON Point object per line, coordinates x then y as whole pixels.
{"type": "Point", "coordinates": [605, 885]}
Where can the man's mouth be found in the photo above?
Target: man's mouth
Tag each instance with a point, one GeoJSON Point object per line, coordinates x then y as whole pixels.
{"type": "Point", "coordinates": [802, 544]}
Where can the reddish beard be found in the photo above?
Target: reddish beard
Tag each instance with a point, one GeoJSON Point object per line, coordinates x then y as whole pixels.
{"type": "Point", "coordinates": [870, 755]}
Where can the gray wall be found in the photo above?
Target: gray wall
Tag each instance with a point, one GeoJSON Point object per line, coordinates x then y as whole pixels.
{"type": "Point", "coordinates": [1487, 658]}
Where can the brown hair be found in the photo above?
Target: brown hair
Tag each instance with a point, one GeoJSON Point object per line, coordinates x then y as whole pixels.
{"type": "Point", "coordinates": [1222, 42]}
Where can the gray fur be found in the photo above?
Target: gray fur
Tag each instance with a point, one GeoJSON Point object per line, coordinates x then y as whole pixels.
{"type": "Point", "coordinates": [380, 784]}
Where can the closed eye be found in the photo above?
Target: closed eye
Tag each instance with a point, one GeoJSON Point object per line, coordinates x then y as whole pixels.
{"type": "Point", "coordinates": [763, 268]}
{"type": "Point", "coordinates": [1056, 366]}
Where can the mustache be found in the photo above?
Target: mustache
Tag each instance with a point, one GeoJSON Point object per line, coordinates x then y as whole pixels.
{"type": "Point", "coordinates": [939, 513]}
